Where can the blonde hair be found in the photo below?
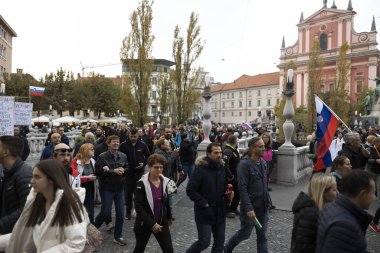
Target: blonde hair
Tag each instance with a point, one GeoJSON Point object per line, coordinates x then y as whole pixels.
{"type": "Point", "coordinates": [83, 152]}
{"type": "Point", "coordinates": [318, 185]}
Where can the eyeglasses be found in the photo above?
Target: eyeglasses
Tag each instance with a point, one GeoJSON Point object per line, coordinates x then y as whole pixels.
{"type": "Point", "coordinates": [63, 150]}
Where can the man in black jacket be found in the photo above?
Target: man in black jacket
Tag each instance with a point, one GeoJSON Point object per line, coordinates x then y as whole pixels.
{"type": "Point", "coordinates": [26, 150]}
{"type": "Point", "coordinates": [187, 155]}
{"type": "Point", "coordinates": [354, 151]}
{"type": "Point", "coordinates": [16, 183]}
{"type": "Point", "coordinates": [110, 168]}
{"type": "Point", "coordinates": [207, 188]}
{"type": "Point", "coordinates": [137, 153]}
{"type": "Point", "coordinates": [342, 225]}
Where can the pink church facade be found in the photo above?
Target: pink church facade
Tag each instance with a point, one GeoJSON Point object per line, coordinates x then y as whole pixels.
{"type": "Point", "coordinates": [332, 27]}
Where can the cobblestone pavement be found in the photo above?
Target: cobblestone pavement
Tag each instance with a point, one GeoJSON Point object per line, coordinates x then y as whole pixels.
{"type": "Point", "coordinates": [184, 232]}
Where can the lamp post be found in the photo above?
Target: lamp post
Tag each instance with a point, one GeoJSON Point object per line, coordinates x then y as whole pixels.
{"type": "Point", "coordinates": [288, 125]}
{"type": "Point", "coordinates": [50, 116]}
{"type": "Point", "coordinates": [2, 89]}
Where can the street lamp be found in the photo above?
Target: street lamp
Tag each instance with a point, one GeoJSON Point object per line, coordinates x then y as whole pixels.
{"type": "Point", "coordinates": [50, 116]}
{"type": "Point", "coordinates": [2, 89]}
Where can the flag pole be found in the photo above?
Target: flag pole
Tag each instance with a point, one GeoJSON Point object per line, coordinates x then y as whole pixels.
{"type": "Point", "coordinates": [333, 113]}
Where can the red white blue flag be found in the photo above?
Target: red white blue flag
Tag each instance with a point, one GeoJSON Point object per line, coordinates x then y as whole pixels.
{"type": "Point", "coordinates": [246, 126]}
{"type": "Point", "coordinates": [327, 123]}
{"type": "Point", "coordinates": [36, 91]}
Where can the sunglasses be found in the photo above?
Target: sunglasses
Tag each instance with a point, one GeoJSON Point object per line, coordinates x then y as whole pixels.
{"type": "Point", "coordinates": [63, 150]}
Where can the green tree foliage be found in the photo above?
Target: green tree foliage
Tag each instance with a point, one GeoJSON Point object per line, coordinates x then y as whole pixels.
{"type": "Point", "coordinates": [339, 98]}
{"type": "Point", "coordinates": [136, 55]}
{"type": "Point", "coordinates": [185, 78]}
{"type": "Point", "coordinates": [58, 89]}
{"type": "Point", "coordinates": [102, 95]}
{"type": "Point", "coordinates": [164, 93]}
{"type": "Point", "coordinates": [314, 70]}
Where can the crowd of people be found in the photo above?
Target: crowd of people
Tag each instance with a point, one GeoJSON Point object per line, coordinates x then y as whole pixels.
{"type": "Point", "coordinates": [138, 171]}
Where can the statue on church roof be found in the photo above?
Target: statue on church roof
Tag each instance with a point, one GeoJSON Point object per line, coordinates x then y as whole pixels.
{"type": "Point", "coordinates": [324, 3]}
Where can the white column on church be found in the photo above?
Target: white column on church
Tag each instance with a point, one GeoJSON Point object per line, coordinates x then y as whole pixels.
{"type": "Point", "coordinates": [305, 88]}
{"type": "Point", "coordinates": [329, 41]}
{"type": "Point", "coordinates": [307, 48]}
{"type": "Point", "coordinates": [340, 32]}
{"type": "Point", "coordinates": [348, 31]}
{"type": "Point", "coordinates": [372, 75]}
{"type": "Point", "coordinates": [300, 38]}
{"type": "Point", "coordinates": [298, 90]}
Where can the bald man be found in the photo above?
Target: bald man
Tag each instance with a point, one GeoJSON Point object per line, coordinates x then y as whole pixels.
{"type": "Point", "coordinates": [48, 150]}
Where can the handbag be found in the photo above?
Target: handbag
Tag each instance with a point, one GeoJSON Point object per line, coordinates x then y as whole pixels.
{"type": "Point", "coordinates": [94, 239]}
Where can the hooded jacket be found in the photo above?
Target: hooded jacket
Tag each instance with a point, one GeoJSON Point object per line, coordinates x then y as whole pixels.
{"type": "Point", "coordinates": [208, 185]}
{"type": "Point", "coordinates": [137, 153]}
{"type": "Point", "coordinates": [144, 206]}
{"type": "Point", "coordinates": [304, 233]}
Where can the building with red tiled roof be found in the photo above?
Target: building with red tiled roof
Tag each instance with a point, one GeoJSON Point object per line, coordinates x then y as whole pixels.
{"type": "Point", "coordinates": [245, 99]}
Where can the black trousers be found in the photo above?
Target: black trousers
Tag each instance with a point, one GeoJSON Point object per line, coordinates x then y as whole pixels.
{"type": "Point", "coordinates": [129, 188]}
{"type": "Point", "coordinates": [163, 238]}
{"type": "Point", "coordinates": [235, 201]}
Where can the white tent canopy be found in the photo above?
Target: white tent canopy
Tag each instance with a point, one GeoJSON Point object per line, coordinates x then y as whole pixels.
{"type": "Point", "coordinates": [40, 119]}
{"type": "Point", "coordinates": [89, 120]}
{"type": "Point", "coordinates": [67, 119]}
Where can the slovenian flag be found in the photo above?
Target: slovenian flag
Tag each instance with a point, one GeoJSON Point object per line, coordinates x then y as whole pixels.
{"type": "Point", "coordinates": [327, 123]}
{"type": "Point", "coordinates": [36, 91]}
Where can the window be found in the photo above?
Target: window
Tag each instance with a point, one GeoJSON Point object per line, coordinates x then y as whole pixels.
{"type": "Point", "coordinates": [249, 93]}
{"type": "Point", "coordinates": [268, 91]}
{"type": "Point", "coordinates": [154, 110]}
{"type": "Point", "coordinates": [224, 96]}
{"type": "Point", "coordinates": [165, 70]}
{"type": "Point", "coordinates": [278, 91]}
{"type": "Point", "coordinates": [240, 104]}
{"type": "Point", "coordinates": [249, 103]}
{"type": "Point", "coordinates": [323, 41]}
{"type": "Point", "coordinates": [249, 113]}
{"type": "Point", "coordinates": [277, 101]}
{"type": "Point", "coordinates": [216, 115]}
{"type": "Point", "coordinates": [258, 103]}
{"type": "Point", "coordinates": [232, 95]}
{"type": "Point", "coordinates": [258, 93]}
{"type": "Point", "coordinates": [228, 95]}
{"type": "Point", "coordinates": [240, 114]}
{"type": "Point", "coordinates": [154, 94]}
{"type": "Point", "coordinates": [331, 87]}
{"type": "Point", "coordinates": [232, 114]}
{"type": "Point", "coordinates": [240, 94]}
{"type": "Point", "coordinates": [154, 80]}
{"type": "Point", "coordinates": [359, 86]}
{"type": "Point", "coordinates": [322, 89]}
{"type": "Point", "coordinates": [223, 114]}
{"type": "Point", "coordinates": [223, 105]}
{"type": "Point", "coordinates": [232, 104]}
{"type": "Point", "coordinates": [268, 102]}
{"type": "Point", "coordinates": [125, 68]}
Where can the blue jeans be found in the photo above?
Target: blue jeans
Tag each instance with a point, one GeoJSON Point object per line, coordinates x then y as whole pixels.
{"type": "Point", "coordinates": [188, 169]}
{"type": "Point", "coordinates": [246, 227]}
{"type": "Point", "coordinates": [105, 212]}
{"type": "Point", "coordinates": [204, 238]}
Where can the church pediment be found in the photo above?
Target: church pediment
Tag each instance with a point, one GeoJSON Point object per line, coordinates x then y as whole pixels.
{"type": "Point", "coordinates": [324, 13]}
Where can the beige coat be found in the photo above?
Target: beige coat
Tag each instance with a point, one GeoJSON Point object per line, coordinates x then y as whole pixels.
{"type": "Point", "coordinates": [53, 239]}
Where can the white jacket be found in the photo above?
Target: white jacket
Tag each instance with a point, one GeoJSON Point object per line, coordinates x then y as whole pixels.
{"type": "Point", "coordinates": [52, 239]}
{"type": "Point", "coordinates": [75, 181]}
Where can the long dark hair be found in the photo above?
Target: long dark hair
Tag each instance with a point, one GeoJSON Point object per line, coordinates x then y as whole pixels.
{"type": "Point", "coordinates": [69, 209]}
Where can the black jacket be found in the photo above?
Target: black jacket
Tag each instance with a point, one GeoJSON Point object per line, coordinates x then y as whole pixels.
{"type": "Point", "coordinates": [136, 154]}
{"type": "Point", "coordinates": [341, 227]}
{"type": "Point", "coordinates": [144, 205]}
{"type": "Point", "coordinates": [172, 162]}
{"type": "Point", "coordinates": [231, 159]}
{"type": "Point", "coordinates": [109, 180]}
{"type": "Point", "coordinates": [357, 159]}
{"type": "Point", "coordinates": [304, 233]}
{"type": "Point", "coordinates": [208, 185]}
{"type": "Point", "coordinates": [100, 148]}
{"type": "Point", "coordinates": [373, 166]}
{"type": "Point", "coordinates": [16, 187]}
{"type": "Point", "coordinates": [187, 152]}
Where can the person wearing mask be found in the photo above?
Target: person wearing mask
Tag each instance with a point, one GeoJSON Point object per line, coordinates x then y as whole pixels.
{"type": "Point", "coordinates": [152, 207]}
{"type": "Point", "coordinates": [53, 219]}
{"type": "Point", "coordinates": [111, 167]}
{"type": "Point", "coordinates": [16, 182]}
{"type": "Point", "coordinates": [321, 189]}
{"type": "Point", "coordinates": [137, 152]}
{"type": "Point", "coordinates": [341, 165]}
{"type": "Point", "coordinates": [254, 198]}
{"type": "Point", "coordinates": [342, 225]}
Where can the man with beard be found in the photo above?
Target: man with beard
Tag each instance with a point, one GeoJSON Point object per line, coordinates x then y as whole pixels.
{"type": "Point", "coordinates": [254, 197]}
{"type": "Point", "coordinates": [137, 153]}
